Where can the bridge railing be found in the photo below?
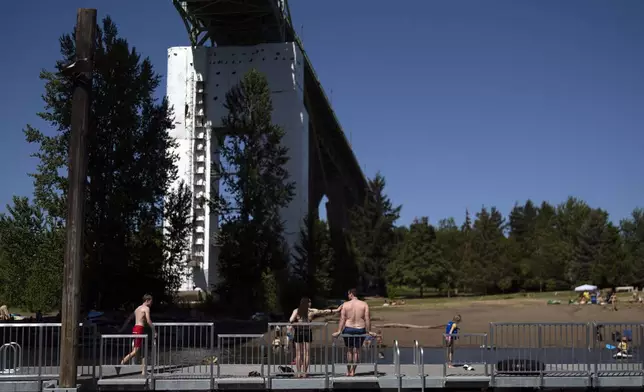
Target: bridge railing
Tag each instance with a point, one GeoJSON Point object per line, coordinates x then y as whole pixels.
{"type": "Point", "coordinates": [306, 342]}
{"type": "Point", "coordinates": [32, 350]}
{"type": "Point", "coordinates": [184, 350]}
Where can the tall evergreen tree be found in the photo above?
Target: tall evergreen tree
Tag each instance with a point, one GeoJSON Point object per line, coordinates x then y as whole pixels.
{"type": "Point", "coordinates": [489, 246]}
{"type": "Point", "coordinates": [419, 262]}
{"type": "Point", "coordinates": [522, 222]}
{"type": "Point", "coordinates": [373, 232]}
{"type": "Point", "coordinates": [598, 254]}
{"type": "Point", "coordinates": [548, 268]}
{"type": "Point", "coordinates": [450, 241]}
{"type": "Point", "coordinates": [312, 270]}
{"type": "Point", "coordinates": [130, 169]}
{"type": "Point", "coordinates": [632, 232]}
{"type": "Point", "coordinates": [256, 187]}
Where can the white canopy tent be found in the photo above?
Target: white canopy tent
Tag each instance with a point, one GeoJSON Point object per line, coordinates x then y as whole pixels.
{"type": "Point", "coordinates": [586, 287]}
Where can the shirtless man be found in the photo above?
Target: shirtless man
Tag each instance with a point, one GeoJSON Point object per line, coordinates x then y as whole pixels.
{"type": "Point", "coordinates": [142, 317]}
{"type": "Point", "coordinates": [354, 320]}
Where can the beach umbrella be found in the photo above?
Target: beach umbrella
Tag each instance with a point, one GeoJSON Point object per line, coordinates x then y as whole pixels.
{"type": "Point", "coordinates": [586, 287]}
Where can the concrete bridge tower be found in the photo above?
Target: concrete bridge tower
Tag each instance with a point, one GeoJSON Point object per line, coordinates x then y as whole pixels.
{"type": "Point", "coordinates": [229, 39]}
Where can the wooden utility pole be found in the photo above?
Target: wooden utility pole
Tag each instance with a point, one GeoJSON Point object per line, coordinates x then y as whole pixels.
{"type": "Point", "coordinates": [81, 71]}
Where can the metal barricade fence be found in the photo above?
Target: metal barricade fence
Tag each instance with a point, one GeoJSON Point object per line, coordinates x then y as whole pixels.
{"type": "Point", "coordinates": [114, 348]}
{"type": "Point", "coordinates": [469, 354]}
{"type": "Point", "coordinates": [356, 351]}
{"type": "Point", "coordinates": [565, 349]}
{"type": "Point", "coordinates": [241, 355]}
{"type": "Point", "coordinates": [32, 350]}
{"type": "Point", "coordinates": [511, 342]}
{"type": "Point", "coordinates": [184, 350]}
{"type": "Point", "coordinates": [191, 350]}
{"type": "Point", "coordinates": [618, 349]}
{"type": "Point", "coordinates": [301, 348]}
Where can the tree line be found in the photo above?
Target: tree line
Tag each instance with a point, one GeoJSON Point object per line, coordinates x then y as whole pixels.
{"type": "Point", "coordinates": [537, 247]}
{"type": "Point", "coordinates": [138, 215]}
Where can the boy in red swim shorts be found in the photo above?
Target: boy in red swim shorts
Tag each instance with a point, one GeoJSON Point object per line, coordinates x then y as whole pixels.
{"type": "Point", "coordinates": [138, 330]}
{"type": "Point", "coordinates": [142, 317]}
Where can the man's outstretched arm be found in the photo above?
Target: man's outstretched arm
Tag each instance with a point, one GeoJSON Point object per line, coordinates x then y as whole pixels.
{"type": "Point", "coordinates": [343, 321]}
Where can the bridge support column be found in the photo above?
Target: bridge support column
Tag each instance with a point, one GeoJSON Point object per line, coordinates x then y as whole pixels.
{"type": "Point", "coordinates": [338, 213]}
{"type": "Point", "coordinates": [198, 80]}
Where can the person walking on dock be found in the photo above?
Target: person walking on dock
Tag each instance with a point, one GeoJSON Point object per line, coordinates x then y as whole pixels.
{"type": "Point", "coordinates": [354, 320]}
{"type": "Point", "coordinates": [142, 317]}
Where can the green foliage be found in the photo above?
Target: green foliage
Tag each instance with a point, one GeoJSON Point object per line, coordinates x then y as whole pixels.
{"type": "Point", "coordinates": [542, 247]}
{"type": "Point", "coordinates": [31, 257]}
{"type": "Point", "coordinates": [419, 262]}
{"type": "Point", "coordinates": [312, 270]}
{"type": "Point", "coordinates": [270, 288]}
{"type": "Point", "coordinates": [129, 173]}
{"type": "Point", "coordinates": [374, 237]}
{"type": "Point", "coordinates": [176, 244]}
{"type": "Point", "coordinates": [256, 187]}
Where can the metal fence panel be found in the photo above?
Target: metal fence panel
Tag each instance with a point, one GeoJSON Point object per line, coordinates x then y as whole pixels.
{"type": "Point", "coordinates": [241, 355]}
{"type": "Point", "coordinates": [511, 341]}
{"type": "Point", "coordinates": [300, 349]}
{"type": "Point", "coordinates": [565, 349]}
{"type": "Point", "coordinates": [184, 350]}
{"type": "Point", "coordinates": [114, 350]}
{"type": "Point", "coordinates": [469, 354]}
{"type": "Point", "coordinates": [32, 350]}
{"type": "Point", "coordinates": [355, 351]}
{"type": "Point", "coordinates": [618, 349]}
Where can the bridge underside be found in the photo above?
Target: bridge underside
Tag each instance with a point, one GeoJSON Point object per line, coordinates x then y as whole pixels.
{"type": "Point", "coordinates": [333, 168]}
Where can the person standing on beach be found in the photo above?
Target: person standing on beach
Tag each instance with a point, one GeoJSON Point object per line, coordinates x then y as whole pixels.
{"type": "Point", "coordinates": [354, 320]}
{"type": "Point", "coordinates": [142, 317]}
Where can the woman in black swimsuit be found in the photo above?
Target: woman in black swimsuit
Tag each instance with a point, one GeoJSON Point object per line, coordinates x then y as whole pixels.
{"type": "Point", "coordinates": [303, 335]}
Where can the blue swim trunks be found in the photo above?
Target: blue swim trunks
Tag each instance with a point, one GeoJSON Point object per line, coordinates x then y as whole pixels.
{"type": "Point", "coordinates": [354, 341]}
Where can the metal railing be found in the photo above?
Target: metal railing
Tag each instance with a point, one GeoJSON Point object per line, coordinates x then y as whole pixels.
{"type": "Point", "coordinates": [419, 354]}
{"type": "Point", "coordinates": [115, 349]}
{"type": "Point", "coordinates": [192, 350]}
{"type": "Point", "coordinates": [567, 349]}
{"type": "Point", "coordinates": [300, 349]}
{"type": "Point", "coordinates": [617, 349]}
{"type": "Point", "coordinates": [397, 371]}
{"type": "Point", "coordinates": [358, 350]}
{"type": "Point", "coordinates": [11, 363]}
{"type": "Point", "coordinates": [184, 350]}
{"type": "Point", "coordinates": [468, 353]}
{"type": "Point", "coordinates": [241, 355]}
{"type": "Point", "coordinates": [31, 351]}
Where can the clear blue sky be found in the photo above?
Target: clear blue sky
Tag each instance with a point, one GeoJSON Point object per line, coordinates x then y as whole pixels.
{"type": "Point", "coordinates": [458, 103]}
